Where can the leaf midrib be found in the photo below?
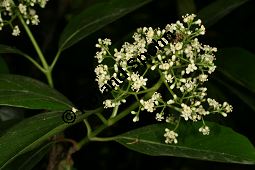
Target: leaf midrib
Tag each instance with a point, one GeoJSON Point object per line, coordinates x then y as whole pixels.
{"type": "Point", "coordinates": [25, 92]}
{"type": "Point", "coordinates": [85, 26]}
{"type": "Point", "coordinates": [181, 147]}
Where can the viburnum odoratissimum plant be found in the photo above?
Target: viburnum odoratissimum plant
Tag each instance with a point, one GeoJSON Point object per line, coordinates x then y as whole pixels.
{"type": "Point", "coordinates": [170, 64]}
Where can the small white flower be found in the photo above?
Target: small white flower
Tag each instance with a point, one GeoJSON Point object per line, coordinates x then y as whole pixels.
{"type": "Point", "coordinates": [23, 9]}
{"type": "Point", "coordinates": [153, 67]}
{"type": "Point", "coordinates": [205, 130]}
{"type": "Point", "coordinates": [148, 105]}
{"type": "Point", "coordinates": [99, 56]}
{"type": "Point", "coordinates": [156, 96]}
{"type": "Point", "coordinates": [207, 58]}
{"type": "Point", "coordinates": [188, 86]}
{"type": "Point", "coordinates": [6, 4]}
{"type": "Point", "coordinates": [202, 30]}
{"type": "Point", "coordinates": [133, 112]}
{"type": "Point", "coordinates": [164, 66]}
{"type": "Point", "coordinates": [109, 103]}
{"type": "Point", "coordinates": [170, 136]}
{"type": "Point", "coordinates": [170, 102]}
{"type": "Point", "coordinates": [197, 103]}
{"type": "Point", "coordinates": [42, 3]}
{"type": "Point", "coordinates": [138, 81]}
{"type": "Point", "coordinates": [211, 69]}
{"type": "Point", "coordinates": [191, 67]}
{"type": "Point", "coordinates": [172, 86]}
{"type": "Point", "coordinates": [159, 117]}
{"type": "Point", "coordinates": [224, 114]}
{"type": "Point", "coordinates": [196, 45]}
{"type": "Point", "coordinates": [74, 110]}
{"type": "Point", "coordinates": [16, 31]}
{"type": "Point", "coordinates": [201, 111]}
{"type": "Point", "coordinates": [35, 20]}
{"type": "Point", "coordinates": [150, 33]}
{"type": "Point", "coordinates": [202, 77]}
{"type": "Point", "coordinates": [170, 119]}
{"type": "Point", "coordinates": [227, 107]}
{"type": "Point", "coordinates": [198, 22]}
{"type": "Point", "coordinates": [186, 111]}
{"type": "Point", "coordinates": [159, 32]}
{"type": "Point", "coordinates": [213, 103]}
{"type": "Point", "coordinates": [188, 18]}
{"type": "Point", "coordinates": [106, 41]}
{"type": "Point", "coordinates": [136, 118]}
{"type": "Point", "coordinates": [178, 46]}
{"type": "Point", "coordinates": [1, 26]}
{"type": "Point", "coordinates": [169, 78]}
{"type": "Point", "coordinates": [32, 2]}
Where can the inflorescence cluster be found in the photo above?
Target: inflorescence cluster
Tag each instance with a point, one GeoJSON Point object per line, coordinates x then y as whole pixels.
{"type": "Point", "coordinates": [10, 10]}
{"type": "Point", "coordinates": [182, 65]}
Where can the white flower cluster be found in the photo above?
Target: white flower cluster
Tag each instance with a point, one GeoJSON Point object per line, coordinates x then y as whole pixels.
{"type": "Point", "coordinates": [10, 9]}
{"type": "Point", "coordinates": [175, 58]}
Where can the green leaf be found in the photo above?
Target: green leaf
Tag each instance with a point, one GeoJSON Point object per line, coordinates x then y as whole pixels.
{"type": "Point", "coordinates": [5, 125]}
{"type": "Point", "coordinates": [33, 157]}
{"type": "Point", "coordinates": [30, 134]}
{"type": "Point", "coordinates": [238, 65]}
{"type": "Point", "coordinates": [30, 159]}
{"type": "Point", "coordinates": [245, 95]}
{"type": "Point", "coordinates": [7, 49]}
{"type": "Point", "coordinates": [3, 66]}
{"type": "Point", "coordinates": [13, 50]}
{"type": "Point", "coordinates": [217, 10]}
{"type": "Point", "coordinates": [20, 91]}
{"type": "Point", "coordinates": [94, 18]}
{"type": "Point", "coordinates": [222, 145]}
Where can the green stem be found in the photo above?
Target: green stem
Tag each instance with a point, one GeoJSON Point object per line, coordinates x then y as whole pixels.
{"type": "Point", "coordinates": [167, 86]}
{"type": "Point", "coordinates": [37, 48]}
{"type": "Point", "coordinates": [34, 62]}
{"type": "Point", "coordinates": [91, 112]}
{"type": "Point", "coordinates": [87, 139]}
{"type": "Point", "coordinates": [87, 126]}
{"type": "Point", "coordinates": [102, 118]}
{"type": "Point", "coordinates": [115, 111]}
{"type": "Point", "coordinates": [124, 113]}
{"type": "Point", "coordinates": [103, 139]}
{"type": "Point", "coordinates": [46, 67]}
{"type": "Point", "coordinates": [93, 135]}
{"type": "Point", "coordinates": [177, 125]}
{"type": "Point", "coordinates": [55, 60]}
